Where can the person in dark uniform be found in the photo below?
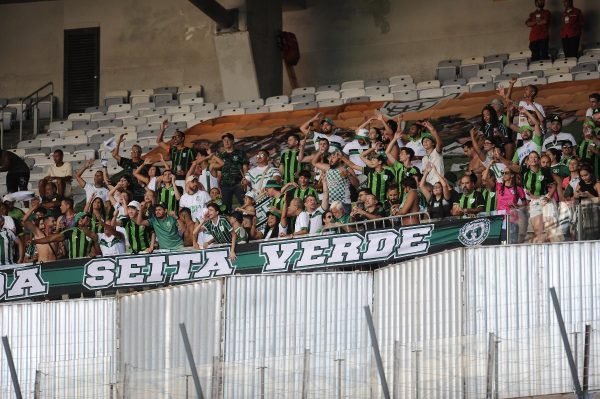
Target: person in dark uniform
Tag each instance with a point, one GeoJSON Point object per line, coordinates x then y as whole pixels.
{"type": "Point", "coordinates": [17, 177]}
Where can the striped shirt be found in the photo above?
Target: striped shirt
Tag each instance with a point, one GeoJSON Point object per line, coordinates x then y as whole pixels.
{"type": "Point", "coordinates": [536, 183]}
{"type": "Point", "coordinates": [302, 193]}
{"type": "Point", "coordinates": [137, 236]}
{"type": "Point", "coordinates": [181, 158]}
{"type": "Point", "coordinates": [378, 182]}
{"type": "Point", "coordinates": [220, 231]}
{"type": "Point", "coordinates": [291, 166]}
{"type": "Point", "coordinates": [166, 195]}
{"type": "Point", "coordinates": [78, 244]}
{"type": "Point", "coordinates": [490, 200]}
{"type": "Point", "coordinates": [401, 171]}
{"type": "Point", "coordinates": [258, 176]}
{"type": "Point", "coordinates": [96, 227]}
{"type": "Point", "coordinates": [7, 246]}
{"type": "Point", "coordinates": [471, 201]}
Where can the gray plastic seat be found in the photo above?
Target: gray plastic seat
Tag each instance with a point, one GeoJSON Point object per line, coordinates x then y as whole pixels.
{"type": "Point", "coordinates": [469, 71]}
{"type": "Point", "coordinates": [585, 67]}
{"type": "Point", "coordinates": [37, 150]}
{"type": "Point", "coordinates": [257, 110]}
{"type": "Point", "coordinates": [113, 101]}
{"type": "Point", "coordinates": [494, 65]}
{"type": "Point", "coordinates": [111, 123]}
{"type": "Point", "coordinates": [531, 74]}
{"type": "Point", "coordinates": [495, 57]}
{"type": "Point", "coordinates": [84, 125]}
{"type": "Point", "coordinates": [100, 138]}
{"type": "Point", "coordinates": [515, 68]}
{"type": "Point", "coordinates": [165, 90]}
{"type": "Point", "coordinates": [360, 99]}
{"type": "Point", "coordinates": [69, 148]}
{"type": "Point", "coordinates": [454, 82]}
{"type": "Point", "coordinates": [166, 103]}
{"type": "Point", "coordinates": [446, 73]}
{"type": "Point", "coordinates": [102, 109]}
{"type": "Point", "coordinates": [377, 82]}
{"type": "Point", "coordinates": [449, 63]}
{"type": "Point", "coordinates": [306, 105]}
{"type": "Point", "coordinates": [406, 95]}
{"type": "Point", "coordinates": [302, 98]}
{"type": "Point", "coordinates": [481, 87]}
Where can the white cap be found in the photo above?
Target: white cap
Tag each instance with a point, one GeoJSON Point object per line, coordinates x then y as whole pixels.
{"type": "Point", "coordinates": [250, 194]}
{"type": "Point", "coordinates": [191, 178]}
{"type": "Point", "coordinates": [134, 204]}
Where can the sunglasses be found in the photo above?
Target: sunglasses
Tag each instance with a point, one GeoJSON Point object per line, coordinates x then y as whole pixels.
{"type": "Point", "coordinates": [507, 173]}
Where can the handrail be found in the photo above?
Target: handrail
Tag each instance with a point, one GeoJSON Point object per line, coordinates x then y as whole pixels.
{"type": "Point", "coordinates": [24, 107]}
{"type": "Point", "coordinates": [381, 222]}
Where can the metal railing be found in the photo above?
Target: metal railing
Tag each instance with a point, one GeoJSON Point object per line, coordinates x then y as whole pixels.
{"type": "Point", "coordinates": [36, 99]}
{"type": "Point", "coordinates": [386, 222]}
{"type": "Point", "coordinates": [2, 108]}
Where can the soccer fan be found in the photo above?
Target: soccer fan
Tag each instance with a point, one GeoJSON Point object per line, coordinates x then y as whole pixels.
{"type": "Point", "coordinates": [187, 225]}
{"type": "Point", "coordinates": [437, 196]}
{"type": "Point", "coordinates": [532, 141]}
{"type": "Point", "coordinates": [166, 227]}
{"type": "Point", "coordinates": [139, 237]}
{"type": "Point", "coordinates": [338, 177]}
{"type": "Point", "coordinates": [149, 175]}
{"type": "Point", "coordinates": [8, 242]}
{"type": "Point", "coordinates": [326, 131]}
{"type": "Point", "coordinates": [247, 207]}
{"type": "Point", "coordinates": [402, 167]}
{"type": "Point", "coordinates": [295, 211]}
{"type": "Point", "coordinates": [391, 205]}
{"type": "Point", "coordinates": [413, 140]}
{"type": "Point", "coordinates": [97, 210]}
{"type": "Point", "coordinates": [130, 164]}
{"type": "Point", "coordinates": [289, 166]}
{"type": "Point", "coordinates": [206, 167]}
{"type": "Point", "coordinates": [17, 171]}
{"type": "Point", "coordinates": [471, 201]}
{"type": "Point", "coordinates": [257, 177]}
{"type": "Point", "coordinates": [594, 99]}
{"type": "Point", "coordinates": [432, 143]}
{"type": "Point", "coordinates": [235, 166]}
{"type": "Point", "coordinates": [180, 155]}
{"type": "Point", "coordinates": [303, 189]}
{"type": "Point", "coordinates": [540, 187]}
{"type": "Point", "coordinates": [216, 226]}
{"type": "Point", "coordinates": [556, 137]}
{"type": "Point", "coordinates": [410, 204]}
{"type": "Point", "coordinates": [97, 189]}
{"type": "Point", "coordinates": [371, 210]}
{"type": "Point", "coordinates": [353, 149]}
{"type": "Point", "coordinates": [169, 193]}
{"type": "Point", "coordinates": [111, 241]}
{"type": "Point", "coordinates": [81, 241]}
{"type": "Point", "coordinates": [588, 186]}
{"type": "Point", "coordinates": [194, 199]}
{"type": "Point", "coordinates": [45, 226]}
{"type": "Point", "coordinates": [60, 173]}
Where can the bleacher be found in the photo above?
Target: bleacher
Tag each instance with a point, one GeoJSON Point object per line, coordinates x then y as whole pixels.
{"type": "Point", "coordinates": [139, 113]}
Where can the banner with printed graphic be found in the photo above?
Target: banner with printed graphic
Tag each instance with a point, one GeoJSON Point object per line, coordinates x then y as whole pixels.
{"type": "Point", "coordinates": [368, 249]}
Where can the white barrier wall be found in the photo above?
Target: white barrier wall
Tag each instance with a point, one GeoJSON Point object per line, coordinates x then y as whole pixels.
{"type": "Point", "coordinates": [289, 335]}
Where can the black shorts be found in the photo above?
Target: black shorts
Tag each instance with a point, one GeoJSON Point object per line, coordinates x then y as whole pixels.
{"type": "Point", "coordinates": [17, 181]}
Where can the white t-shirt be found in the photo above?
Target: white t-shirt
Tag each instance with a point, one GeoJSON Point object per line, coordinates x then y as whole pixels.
{"type": "Point", "coordinates": [437, 160]}
{"type": "Point", "coordinates": [196, 203]}
{"type": "Point", "coordinates": [589, 113]}
{"type": "Point", "coordinates": [268, 234]}
{"type": "Point", "coordinates": [9, 224]}
{"type": "Point", "coordinates": [335, 141]}
{"type": "Point", "coordinates": [62, 171]}
{"type": "Point", "coordinates": [316, 221]}
{"type": "Point", "coordinates": [555, 141]}
{"type": "Point", "coordinates": [529, 107]}
{"type": "Point", "coordinates": [207, 180]}
{"type": "Point", "coordinates": [417, 147]}
{"type": "Point", "coordinates": [112, 245]}
{"type": "Point", "coordinates": [353, 150]}
{"type": "Point", "coordinates": [101, 192]}
{"type": "Point", "coordinates": [258, 176]}
{"type": "Point", "coordinates": [302, 222]}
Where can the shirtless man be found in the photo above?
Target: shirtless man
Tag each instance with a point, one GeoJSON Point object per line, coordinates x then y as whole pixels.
{"type": "Point", "coordinates": [187, 224]}
{"type": "Point", "coordinates": [45, 227]}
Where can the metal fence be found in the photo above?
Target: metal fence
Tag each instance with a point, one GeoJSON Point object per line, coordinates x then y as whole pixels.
{"type": "Point", "coordinates": [467, 323]}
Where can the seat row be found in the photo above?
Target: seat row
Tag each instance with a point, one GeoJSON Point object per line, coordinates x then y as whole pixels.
{"type": "Point", "coordinates": [158, 95]}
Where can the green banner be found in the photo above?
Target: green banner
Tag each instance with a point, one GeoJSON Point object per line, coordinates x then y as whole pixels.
{"type": "Point", "coordinates": [374, 248]}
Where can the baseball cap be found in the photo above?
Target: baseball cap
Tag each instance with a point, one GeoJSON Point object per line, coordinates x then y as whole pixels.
{"type": "Point", "coordinates": [525, 127]}
{"type": "Point", "coordinates": [428, 136]}
{"type": "Point", "coordinates": [556, 118]}
{"type": "Point", "coordinates": [191, 178]}
{"type": "Point", "coordinates": [272, 184]}
{"type": "Point", "coordinates": [362, 134]}
{"type": "Point", "coordinates": [79, 216]}
{"type": "Point", "coordinates": [134, 204]}
{"type": "Point", "coordinates": [328, 120]}
{"type": "Point", "coordinates": [250, 194]}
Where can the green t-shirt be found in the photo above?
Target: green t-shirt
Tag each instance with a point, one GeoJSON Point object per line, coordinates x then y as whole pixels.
{"type": "Point", "coordinates": [167, 232]}
{"type": "Point", "coordinates": [232, 170]}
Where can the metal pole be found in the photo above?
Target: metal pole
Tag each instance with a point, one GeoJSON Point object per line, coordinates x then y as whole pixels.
{"type": "Point", "coordinates": [396, 372]}
{"type": "Point", "coordinates": [36, 388]}
{"type": "Point", "coordinates": [187, 386]}
{"type": "Point", "coordinates": [21, 123]}
{"type": "Point", "coordinates": [35, 120]}
{"type": "Point", "coordinates": [305, 373]}
{"type": "Point", "coordinates": [377, 353]}
{"type": "Point", "coordinates": [261, 382]}
{"type": "Point", "coordinates": [339, 384]}
{"type": "Point", "coordinates": [11, 367]}
{"type": "Point", "coordinates": [52, 106]}
{"type": "Point", "coordinates": [2, 129]}
{"type": "Point", "coordinates": [417, 369]}
{"type": "Point", "coordinates": [579, 222]}
{"type": "Point", "coordinates": [190, 356]}
{"type": "Point", "coordinates": [490, 366]}
{"type": "Point", "coordinates": [565, 339]}
{"type": "Point", "coordinates": [586, 357]}
{"type": "Point", "coordinates": [496, 385]}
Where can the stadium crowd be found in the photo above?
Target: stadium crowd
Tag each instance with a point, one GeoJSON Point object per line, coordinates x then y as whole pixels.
{"type": "Point", "coordinates": [520, 164]}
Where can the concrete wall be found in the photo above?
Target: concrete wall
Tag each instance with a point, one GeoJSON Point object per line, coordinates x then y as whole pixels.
{"type": "Point", "coordinates": [358, 39]}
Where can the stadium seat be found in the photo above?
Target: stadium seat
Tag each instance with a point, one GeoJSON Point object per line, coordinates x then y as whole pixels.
{"type": "Point", "coordinates": [353, 84]}
{"type": "Point", "coordinates": [533, 81]}
{"type": "Point", "coordinates": [587, 76]}
{"type": "Point", "coordinates": [98, 109]}
{"type": "Point", "coordinates": [429, 84]}
{"type": "Point", "coordinates": [77, 125]}
{"type": "Point", "coordinates": [183, 117]}
{"type": "Point", "coordinates": [228, 105]}
{"type": "Point", "coordinates": [60, 126]}
{"type": "Point", "coordinates": [327, 95]}
{"type": "Point", "coordinates": [455, 89]}
{"type": "Point", "coordinates": [37, 150]}
{"type": "Point", "coordinates": [143, 106]}
{"type": "Point", "coordinates": [504, 78]}
{"type": "Point", "coordinates": [557, 71]}
{"type": "Point", "coordinates": [256, 102]}
{"type": "Point", "coordinates": [472, 60]}
{"type": "Point", "coordinates": [446, 73]}
{"type": "Point", "coordinates": [276, 100]}
{"type": "Point", "coordinates": [17, 151]}
{"type": "Point", "coordinates": [454, 82]}
{"type": "Point", "coordinates": [102, 117]}
{"type": "Point", "coordinates": [119, 108]}
{"type": "Point", "coordinates": [331, 87]}
{"type": "Point", "coordinates": [100, 138]}
{"type": "Point", "coordinates": [531, 74]}
{"type": "Point", "coordinates": [514, 68]}
{"type": "Point", "coordinates": [585, 67]}
{"type": "Point", "coordinates": [52, 142]}
{"type": "Point", "coordinates": [489, 72]}
{"type": "Point", "coordinates": [352, 92]}
{"type": "Point", "coordinates": [496, 58]}
{"type": "Point", "coordinates": [166, 90]}
{"type": "Point", "coordinates": [448, 63]}
{"type": "Point", "coordinates": [403, 87]}
{"type": "Point", "coordinates": [72, 133]}
{"type": "Point", "coordinates": [303, 90]}
{"type": "Point", "coordinates": [407, 95]}
{"type": "Point", "coordinates": [307, 105]}
{"type": "Point", "coordinates": [190, 100]}
{"type": "Point", "coordinates": [431, 93]}
{"type": "Point", "coordinates": [263, 109]}
{"type": "Point", "coordinates": [152, 112]}
{"type": "Point", "coordinates": [148, 134]}
{"type": "Point", "coordinates": [591, 57]}
{"type": "Point", "coordinates": [302, 98]}
{"type": "Point", "coordinates": [468, 71]}
{"type": "Point", "coordinates": [135, 121]}
{"type": "Point", "coordinates": [208, 114]}
{"type": "Point", "coordinates": [358, 99]}
{"type": "Point", "coordinates": [102, 130]}
{"type": "Point", "coordinates": [382, 97]}
{"type": "Point", "coordinates": [141, 92]}
{"type": "Point", "coordinates": [480, 87]}
{"type": "Point", "coordinates": [540, 65]}
{"type": "Point", "coordinates": [130, 132]}
{"type": "Point", "coordinates": [202, 107]}
{"type": "Point", "coordinates": [480, 80]}
{"type": "Point", "coordinates": [126, 114]}
{"type": "Point", "coordinates": [332, 102]}
{"type": "Point", "coordinates": [377, 83]}
{"type": "Point", "coordinates": [138, 99]}
{"type": "Point", "coordinates": [110, 123]}
{"type": "Point", "coordinates": [400, 79]}
{"type": "Point", "coordinates": [567, 77]}
{"type": "Point", "coordinates": [519, 55]}
{"type": "Point", "coordinates": [195, 89]}
{"type": "Point", "coordinates": [177, 109]}
{"type": "Point", "coordinates": [494, 64]}
{"type": "Point", "coordinates": [377, 90]}
{"type": "Point", "coordinates": [117, 94]}
{"type": "Point", "coordinates": [164, 103]}
{"type": "Point", "coordinates": [280, 107]}
{"type": "Point", "coordinates": [29, 144]}
{"type": "Point", "coordinates": [565, 62]}
{"type": "Point", "coordinates": [79, 117]}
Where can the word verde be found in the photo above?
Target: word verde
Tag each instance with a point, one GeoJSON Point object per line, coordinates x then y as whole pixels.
{"type": "Point", "coordinates": [27, 281]}
{"type": "Point", "coordinates": [157, 269]}
{"type": "Point", "coordinates": [352, 248]}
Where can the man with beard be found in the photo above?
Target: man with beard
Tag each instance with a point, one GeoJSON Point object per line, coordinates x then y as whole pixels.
{"type": "Point", "coordinates": [325, 131]}
{"type": "Point", "coordinates": [257, 177]}
{"type": "Point", "coordinates": [42, 228]}
{"type": "Point", "coordinates": [80, 239]}
{"type": "Point", "coordinates": [471, 202]}
{"type": "Point", "coordinates": [194, 199]}
{"type": "Point", "coordinates": [289, 166]}
{"type": "Point", "coordinates": [338, 178]}
{"type": "Point", "coordinates": [129, 165]}
{"type": "Point", "coordinates": [181, 156]}
{"type": "Point", "coordinates": [413, 140]}
{"type": "Point", "coordinates": [532, 141]}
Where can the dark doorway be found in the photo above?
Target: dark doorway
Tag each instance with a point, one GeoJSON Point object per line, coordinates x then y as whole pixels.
{"type": "Point", "coordinates": [82, 69]}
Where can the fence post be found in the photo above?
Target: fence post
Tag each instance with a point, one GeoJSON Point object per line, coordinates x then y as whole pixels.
{"type": "Point", "coordinates": [377, 353]}
{"type": "Point", "coordinates": [261, 382]}
{"type": "Point", "coordinates": [37, 387]}
{"type": "Point", "coordinates": [491, 362]}
{"type": "Point", "coordinates": [305, 373]}
{"type": "Point", "coordinates": [339, 382]}
{"type": "Point", "coordinates": [565, 339]}
{"type": "Point", "coordinates": [586, 357]}
{"type": "Point", "coordinates": [417, 352]}
{"type": "Point", "coordinates": [496, 385]}
{"type": "Point", "coordinates": [216, 377]}
{"type": "Point", "coordinates": [190, 356]}
{"type": "Point", "coordinates": [11, 367]}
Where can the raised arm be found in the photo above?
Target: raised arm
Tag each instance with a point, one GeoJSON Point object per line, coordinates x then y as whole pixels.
{"type": "Point", "coordinates": [159, 139]}
{"type": "Point", "coordinates": [354, 166]}
{"type": "Point", "coordinates": [57, 237]}
{"type": "Point", "coordinates": [325, 200]}
{"type": "Point", "coordinates": [363, 157]}
{"type": "Point", "coordinates": [391, 148]}
{"type": "Point", "coordinates": [305, 128]}
{"type": "Point", "coordinates": [137, 173]}
{"type": "Point", "coordinates": [115, 151]}
{"type": "Point", "coordinates": [438, 139]}
{"type": "Point", "coordinates": [473, 133]}
{"type": "Point", "coordinates": [80, 172]}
